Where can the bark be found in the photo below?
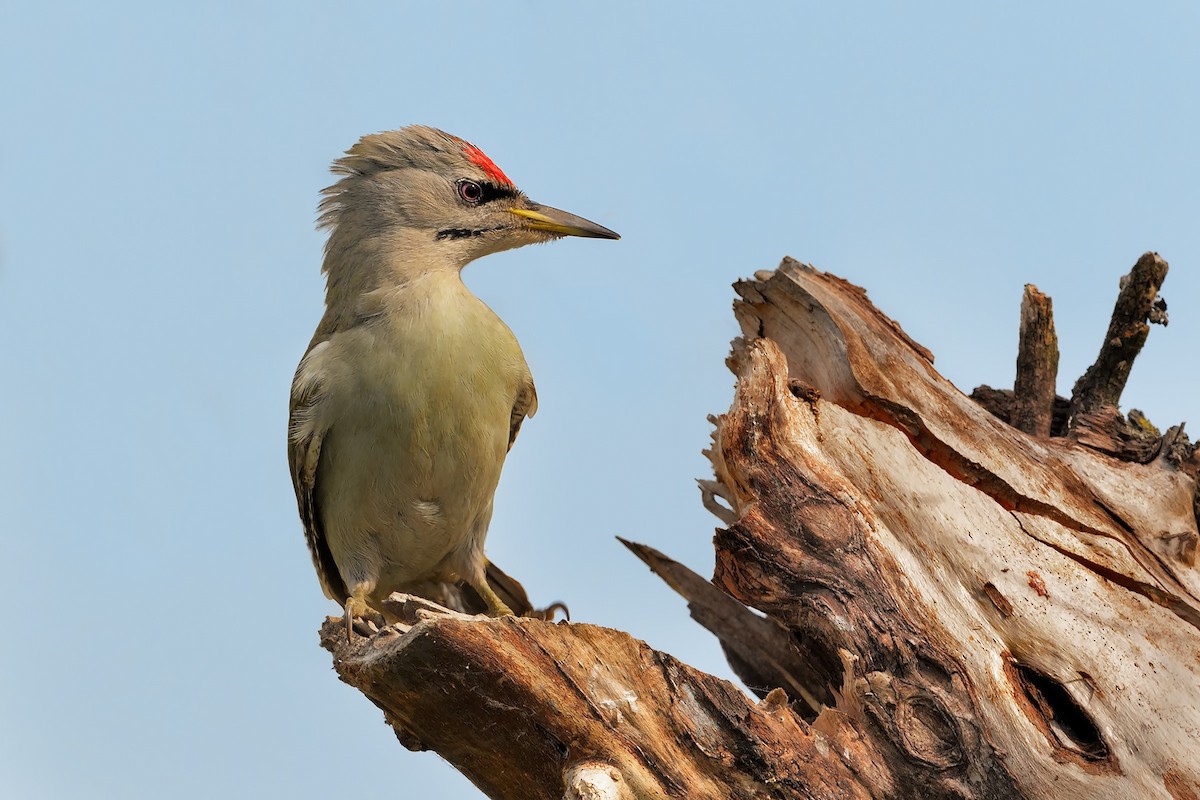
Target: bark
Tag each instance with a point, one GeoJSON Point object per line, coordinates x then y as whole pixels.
{"type": "Point", "coordinates": [1037, 365]}
{"type": "Point", "coordinates": [1138, 305]}
{"type": "Point", "coordinates": [524, 708]}
{"type": "Point", "coordinates": [928, 601]}
{"type": "Point", "coordinates": [1094, 417]}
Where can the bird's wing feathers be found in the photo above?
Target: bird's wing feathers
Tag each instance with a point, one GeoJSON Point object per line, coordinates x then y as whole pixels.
{"type": "Point", "coordinates": [526, 406]}
{"type": "Point", "coordinates": [305, 434]}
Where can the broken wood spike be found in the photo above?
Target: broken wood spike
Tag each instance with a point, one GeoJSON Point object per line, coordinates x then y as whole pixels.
{"type": "Point", "coordinates": [761, 651]}
{"type": "Point", "coordinates": [1138, 304]}
{"type": "Point", "coordinates": [1037, 365]}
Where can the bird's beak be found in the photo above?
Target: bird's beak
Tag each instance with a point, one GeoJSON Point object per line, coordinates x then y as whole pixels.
{"type": "Point", "coordinates": [552, 220]}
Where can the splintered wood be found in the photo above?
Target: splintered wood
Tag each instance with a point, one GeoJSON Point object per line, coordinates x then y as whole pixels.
{"type": "Point", "coordinates": [928, 601]}
{"type": "Point", "coordinates": [955, 557]}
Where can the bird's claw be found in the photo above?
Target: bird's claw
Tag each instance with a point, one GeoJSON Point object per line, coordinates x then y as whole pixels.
{"type": "Point", "coordinates": [548, 613]}
{"type": "Point", "coordinates": [360, 618]}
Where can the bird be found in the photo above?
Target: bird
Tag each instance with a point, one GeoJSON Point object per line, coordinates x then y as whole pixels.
{"type": "Point", "coordinates": [412, 390]}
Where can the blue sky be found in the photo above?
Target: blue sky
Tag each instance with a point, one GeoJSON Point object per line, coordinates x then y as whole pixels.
{"type": "Point", "coordinates": [159, 170]}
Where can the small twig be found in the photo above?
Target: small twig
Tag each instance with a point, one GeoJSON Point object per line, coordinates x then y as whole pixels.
{"type": "Point", "coordinates": [1037, 365]}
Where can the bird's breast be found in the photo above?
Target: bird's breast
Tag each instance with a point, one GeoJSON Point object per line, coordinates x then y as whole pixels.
{"type": "Point", "coordinates": [422, 427]}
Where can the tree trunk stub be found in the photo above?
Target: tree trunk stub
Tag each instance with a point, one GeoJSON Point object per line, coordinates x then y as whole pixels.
{"type": "Point", "coordinates": [954, 608]}
{"type": "Point", "coordinates": [1138, 305]}
{"type": "Point", "coordinates": [1037, 365]}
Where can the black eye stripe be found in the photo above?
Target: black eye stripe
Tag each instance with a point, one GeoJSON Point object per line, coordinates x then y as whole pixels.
{"type": "Point", "coordinates": [493, 192]}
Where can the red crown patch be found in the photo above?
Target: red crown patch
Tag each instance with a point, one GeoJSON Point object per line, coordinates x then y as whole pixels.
{"type": "Point", "coordinates": [477, 157]}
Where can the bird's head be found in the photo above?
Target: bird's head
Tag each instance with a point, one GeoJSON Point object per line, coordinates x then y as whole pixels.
{"type": "Point", "coordinates": [440, 194]}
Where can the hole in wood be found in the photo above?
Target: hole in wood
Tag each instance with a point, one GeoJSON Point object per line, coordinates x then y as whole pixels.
{"type": "Point", "coordinates": [1069, 723]}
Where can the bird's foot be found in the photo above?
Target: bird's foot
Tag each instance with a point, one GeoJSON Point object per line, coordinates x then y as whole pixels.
{"type": "Point", "coordinates": [495, 606]}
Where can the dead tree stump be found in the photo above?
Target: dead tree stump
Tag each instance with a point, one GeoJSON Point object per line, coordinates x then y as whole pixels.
{"type": "Point", "coordinates": [945, 605]}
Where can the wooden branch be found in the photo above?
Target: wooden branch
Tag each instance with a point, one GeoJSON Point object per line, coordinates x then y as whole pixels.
{"type": "Point", "coordinates": [526, 708]}
{"type": "Point", "coordinates": [1137, 306]}
{"type": "Point", "coordinates": [1037, 365]}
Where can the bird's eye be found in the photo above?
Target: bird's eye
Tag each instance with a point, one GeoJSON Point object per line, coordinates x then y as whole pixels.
{"type": "Point", "coordinates": [470, 191]}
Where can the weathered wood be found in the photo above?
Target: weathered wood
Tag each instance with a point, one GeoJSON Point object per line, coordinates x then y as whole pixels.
{"type": "Point", "coordinates": [999, 402]}
{"type": "Point", "coordinates": [1129, 438]}
{"type": "Point", "coordinates": [1037, 365]}
{"type": "Point", "coordinates": [1138, 305]}
{"type": "Point", "coordinates": [993, 575]}
{"type": "Point", "coordinates": [526, 708]}
{"type": "Point", "coordinates": [1092, 416]}
{"type": "Point", "coordinates": [761, 651]}
{"type": "Point", "coordinates": [953, 608]}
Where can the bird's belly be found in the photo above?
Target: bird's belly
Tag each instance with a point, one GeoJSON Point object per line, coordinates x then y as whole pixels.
{"type": "Point", "coordinates": [407, 478]}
